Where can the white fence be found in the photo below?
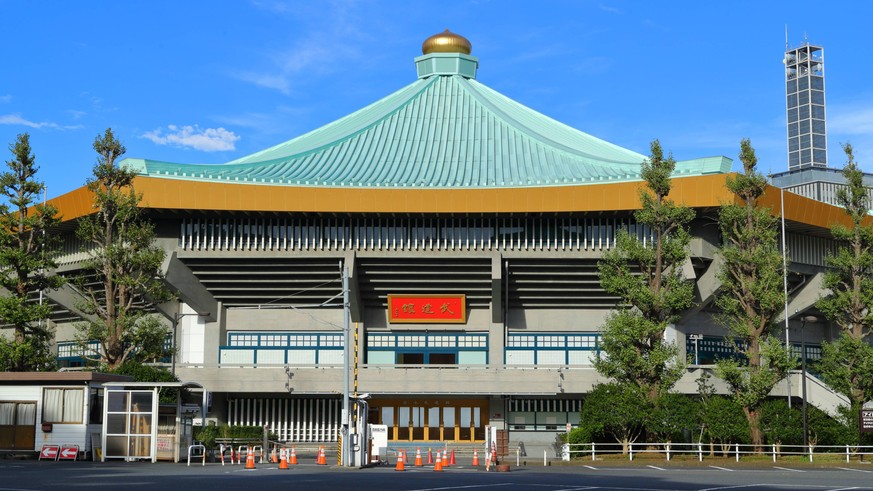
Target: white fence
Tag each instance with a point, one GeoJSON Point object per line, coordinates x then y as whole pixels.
{"type": "Point", "coordinates": [702, 450]}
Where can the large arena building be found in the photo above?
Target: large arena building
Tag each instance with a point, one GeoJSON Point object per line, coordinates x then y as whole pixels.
{"type": "Point", "coordinates": [469, 228]}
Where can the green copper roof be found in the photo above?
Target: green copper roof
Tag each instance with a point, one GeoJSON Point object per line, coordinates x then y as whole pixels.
{"type": "Point", "coordinates": [445, 130]}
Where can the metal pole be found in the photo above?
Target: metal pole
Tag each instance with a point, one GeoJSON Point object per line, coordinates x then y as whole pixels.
{"type": "Point", "coordinates": [785, 286]}
{"type": "Point", "coordinates": [803, 380]}
{"type": "Point", "coordinates": [175, 343]}
{"type": "Point", "coordinates": [345, 415]}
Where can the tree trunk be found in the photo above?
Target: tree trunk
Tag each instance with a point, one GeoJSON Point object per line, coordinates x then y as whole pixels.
{"type": "Point", "coordinates": [754, 418]}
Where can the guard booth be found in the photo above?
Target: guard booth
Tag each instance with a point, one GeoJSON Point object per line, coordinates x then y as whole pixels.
{"type": "Point", "coordinates": [52, 408]}
{"type": "Point", "coordinates": [137, 427]}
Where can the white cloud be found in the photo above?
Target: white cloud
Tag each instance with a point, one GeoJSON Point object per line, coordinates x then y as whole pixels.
{"type": "Point", "coordinates": [851, 122]}
{"type": "Point", "coordinates": [277, 82]}
{"type": "Point", "coordinates": [610, 9]}
{"type": "Point", "coordinates": [207, 140]}
{"type": "Point", "coordinates": [6, 98]}
{"type": "Point", "coordinates": [16, 119]}
{"type": "Point", "coordinates": [851, 119]}
{"type": "Point", "coordinates": [332, 31]}
{"type": "Point", "coordinates": [76, 114]}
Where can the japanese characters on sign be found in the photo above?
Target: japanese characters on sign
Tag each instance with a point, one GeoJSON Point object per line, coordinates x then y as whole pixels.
{"type": "Point", "coordinates": [415, 309]}
{"type": "Point", "coordinates": [866, 420]}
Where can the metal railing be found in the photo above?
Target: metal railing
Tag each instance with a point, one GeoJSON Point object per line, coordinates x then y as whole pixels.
{"type": "Point", "coordinates": [701, 450]}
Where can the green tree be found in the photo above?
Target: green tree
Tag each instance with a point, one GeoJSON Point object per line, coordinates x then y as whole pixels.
{"type": "Point", "coordinates": [675, 415]}
{"type": "Point", "coordinates": [122, 279]}
{"type": "Point", "coordinates": [751, 294]}
{"type": "Point", "coordinates": [782, 425]}
{"type": "Point", "coordinates": [647, 276]}
{"type": "Point", "coordinates": [26, 263]}
{"type": "Point", "coordinates": [724, 423]}
{"type": "Point", "coordinates": [146, 373]}
{"type": "Point", "coordinates": [847, 365]}
{"type": "Point", "coordinates": [617, 411]}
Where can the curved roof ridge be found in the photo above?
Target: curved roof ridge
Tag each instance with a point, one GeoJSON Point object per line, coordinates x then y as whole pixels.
{"type": "Point", "coordinates": [514, 112]}
{"type": "Point", "coordinates": [442, 131]}
{"type": "Point", "coordinates": [357, 122]}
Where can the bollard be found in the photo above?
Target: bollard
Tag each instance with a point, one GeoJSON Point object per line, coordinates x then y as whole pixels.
{"type": "Point", "coordinates": [592, 452]}
{"type": "Point", "coordinates": [545, 459]}
{"type": "Point", "coordinates": [774, 453]}
{"type": "Point", "coordinates": [517, 457]}
{"type": "Point", "coordinates": [699, 452]}
{"type": "Point", "coordinates": [738, 451]}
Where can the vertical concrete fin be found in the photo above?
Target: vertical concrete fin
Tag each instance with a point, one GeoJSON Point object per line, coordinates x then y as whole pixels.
{"type": "Point", "coordinates": [355, 308]}
{"type": "Point", "coordinates": [497, 293]}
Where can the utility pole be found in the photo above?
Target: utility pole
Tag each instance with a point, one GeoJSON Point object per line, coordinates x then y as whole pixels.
{"type": "Point", "coordinates": [346, 434]}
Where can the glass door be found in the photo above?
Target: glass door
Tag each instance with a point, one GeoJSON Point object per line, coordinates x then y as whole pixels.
{"type": "Point", "coordinates": [130, 424]}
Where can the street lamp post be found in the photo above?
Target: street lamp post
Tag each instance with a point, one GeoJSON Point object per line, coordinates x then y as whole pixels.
{"type": "Point", "coordinates": [176, 317]}
{"type": "Point", "coordinates": [803, 321]}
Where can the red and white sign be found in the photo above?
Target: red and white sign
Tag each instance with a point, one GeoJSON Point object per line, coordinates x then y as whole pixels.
{"type": "Point", "coordinates": [49, 452]}
{"type": "Point", "coordinates": [420, 309]}
{"type": "Point", "coordinates": [68, 452]}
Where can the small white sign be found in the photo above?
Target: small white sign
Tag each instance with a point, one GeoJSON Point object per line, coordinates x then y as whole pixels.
{"type": "Point", "coordinates": [379, 436]}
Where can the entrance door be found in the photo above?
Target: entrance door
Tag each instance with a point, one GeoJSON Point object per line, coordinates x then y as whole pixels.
{"type": "Point", "coordinates": [432, 419]}
{"type": "Point", "coordinates": [17, 425]}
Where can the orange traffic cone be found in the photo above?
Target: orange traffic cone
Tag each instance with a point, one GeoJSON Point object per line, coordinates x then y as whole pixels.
{"type": "Point", "coordinates": [445, 457]}
{"type": "Point", "coordinates": [293, 459]}
{"type": "Point", "coordinates": [283, 462]}
{"type": "Point", "coordinates": [250, 459]}
{"type": "Point", "coordinates": [400, 465]}
{"type": "Point", "coordinates": [438, 465]}
{"type": "Point", "coordinates": [273, 458]}
{"type": "Point", "coordinates": [452, 458]}
{"type": "Point", "coordinates": [321, 459]}
{"type": "Point", "coordinates": [475, 457]}
{"type": "Point", "coordinates": [418, 462]}
{"type": "Point", "coordinates": [429, 456]}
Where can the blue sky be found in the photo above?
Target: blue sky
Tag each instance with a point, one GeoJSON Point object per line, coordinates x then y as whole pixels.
{"type": "Point", "coordinates": [211, 81]}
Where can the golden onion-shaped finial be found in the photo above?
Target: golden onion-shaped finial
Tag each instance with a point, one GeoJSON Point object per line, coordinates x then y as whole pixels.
{"type": "Point", "coordinates": [446, 42]}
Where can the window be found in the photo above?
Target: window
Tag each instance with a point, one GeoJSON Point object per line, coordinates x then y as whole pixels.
{"type": "Point", "coordinates": [63, 405]}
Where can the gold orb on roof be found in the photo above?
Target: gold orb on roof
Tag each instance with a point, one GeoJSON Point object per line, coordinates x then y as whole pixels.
{"type": "Point", "coordinates": [446, 42]}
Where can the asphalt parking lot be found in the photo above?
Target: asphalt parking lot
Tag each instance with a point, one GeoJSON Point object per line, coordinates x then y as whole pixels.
{"type": "Point", "coordinates": [29, 475]}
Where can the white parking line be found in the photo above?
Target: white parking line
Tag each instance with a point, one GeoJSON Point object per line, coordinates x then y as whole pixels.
{"type": "Point", "coordinates": [787, 469]}
{"type": "Point", "coordinates": [843, 489]}
{"type": "Point", "coordinates": [721, 468]}
{"type": "Point", "coordinates": [590, 467]}
{"type": "Point", "coordinates": [856, 470]}
{"type": "Point", "coordinates": [656, 467]}
{"type": "Point", "coordinates": [465, 487]}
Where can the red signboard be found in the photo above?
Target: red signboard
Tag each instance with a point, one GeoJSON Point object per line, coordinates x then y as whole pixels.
{"type": "Point", "coordinates": [416, 309]}
{"type": "Point", "coordinates": [49, 452]}
{"type": "Point", "coordinates": [68, 452]}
